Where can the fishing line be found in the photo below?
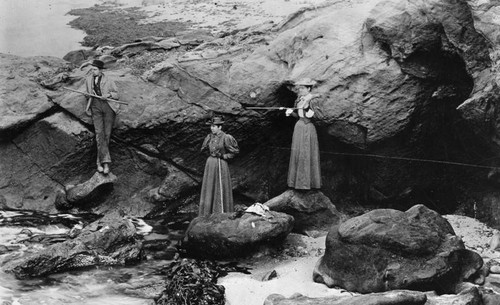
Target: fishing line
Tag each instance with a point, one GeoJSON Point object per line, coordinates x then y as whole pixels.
{"type": "Point", "coordinates": [400, 158]}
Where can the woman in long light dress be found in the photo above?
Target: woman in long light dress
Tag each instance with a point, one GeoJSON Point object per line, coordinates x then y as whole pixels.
{"type": "Point", "coordinates": [304, 171]}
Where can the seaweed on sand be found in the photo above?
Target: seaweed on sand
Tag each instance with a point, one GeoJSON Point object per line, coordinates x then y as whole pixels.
{"type": "Point", "coordinates": [194, 282]}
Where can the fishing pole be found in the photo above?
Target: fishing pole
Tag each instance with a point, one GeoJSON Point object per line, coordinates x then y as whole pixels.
{"type": "Point", "coordinates": [271, 108]}
{"type": "Point", "coordinates": [96, 96]}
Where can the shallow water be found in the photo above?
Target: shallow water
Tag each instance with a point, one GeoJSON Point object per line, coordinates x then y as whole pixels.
{"type": "Point", "coordinates": [40, 27]}
{"type": "Point", "coordinates": [103, 285]}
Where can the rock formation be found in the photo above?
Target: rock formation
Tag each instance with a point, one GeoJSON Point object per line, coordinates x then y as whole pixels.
{"type": "Point", "coordinates": [99, 244]}
{"type": "Point", "coordinates": [311, 210]}
{"type": "Point", "coordinates": [388, 249]}
{"type": "Point", "coordinates": [391, 75]}
{"type": "Point", "coordinates": [229, 235]}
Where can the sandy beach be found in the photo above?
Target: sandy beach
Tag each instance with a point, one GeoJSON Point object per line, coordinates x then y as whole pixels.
{"type": "Point", "coordinates": [294, 274]}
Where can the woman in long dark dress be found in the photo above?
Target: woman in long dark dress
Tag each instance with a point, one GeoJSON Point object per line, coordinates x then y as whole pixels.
{"type": "Point", "coordinates": [304, 171]}
{"type": "Point", "coordinates": [216, 190]}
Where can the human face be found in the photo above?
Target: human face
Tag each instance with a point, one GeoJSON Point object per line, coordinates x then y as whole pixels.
{"type": "Point", "coordinates": [215, 128]}
{"type": "Point", "coordinates": [96, 71]}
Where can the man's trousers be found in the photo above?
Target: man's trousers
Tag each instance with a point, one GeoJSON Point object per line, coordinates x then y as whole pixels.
{"type": "Point", "coordinates": [103, 117]}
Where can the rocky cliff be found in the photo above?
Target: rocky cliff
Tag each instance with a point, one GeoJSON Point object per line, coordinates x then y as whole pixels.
{"type": "Point", "coordinates": [399, 79]}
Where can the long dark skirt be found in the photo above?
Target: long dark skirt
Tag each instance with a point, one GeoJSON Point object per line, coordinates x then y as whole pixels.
{"type": "Point", "coordinates": [304, 171]}
{"type": "Point", "coordinates": [211, 200]}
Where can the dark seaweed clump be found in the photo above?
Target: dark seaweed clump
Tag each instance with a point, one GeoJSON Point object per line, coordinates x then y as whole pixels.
{"type": "Point", "coordinates": [194, 282]}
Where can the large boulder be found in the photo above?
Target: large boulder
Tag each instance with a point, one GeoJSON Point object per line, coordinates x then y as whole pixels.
{"type": "Point", "coordinates": [99, 244]}
{"type": "Point", "coordinates": [228, 235]}
{"type": "Point", "coordinates": [59, 152]}
{"type": "Point", "coordinates": [388, 249]}
{"type": "Point", "coordinates": [22, 99]}
{"type": "Point", "coordinates": [480, 110]}
{"type": "Point", "coordinates": [36, 164]}
{"type": "Point", "coordinates": [312, 210]}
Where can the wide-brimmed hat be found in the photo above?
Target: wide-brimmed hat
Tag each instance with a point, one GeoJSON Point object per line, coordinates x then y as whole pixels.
{"type": "Point", "coordinates": [98, 63]}
{"type": "Point", "coordinates": [305, 82]}
{"type": "Point", "coordinates": [215, 121]}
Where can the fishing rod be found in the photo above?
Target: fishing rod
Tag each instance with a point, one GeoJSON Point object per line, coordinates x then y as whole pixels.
{"type": "Point", "coordinates": [271, 108]}
{"type": "Point", "coordinates": [96, 96]}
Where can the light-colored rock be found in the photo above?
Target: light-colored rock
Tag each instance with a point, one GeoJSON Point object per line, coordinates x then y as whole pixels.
{"type": "Point", "coordinates": [310, 209]}
{"type": "Point", "coordinates": [471, 296]}
{"type": "Point", "coordinates": [87, 190]}
{"type": "Point", "coordinates": [495, 269]}
{"type": "Point", "coordinates": [396, 297]}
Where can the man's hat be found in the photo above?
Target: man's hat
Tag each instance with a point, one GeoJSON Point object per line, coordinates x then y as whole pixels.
{"type": "Point", "coordinates": [97, 63]}
{"type": "Point", "coordinates": [216, 121]}
{"type": "Point", "coordinates": [305, 82]}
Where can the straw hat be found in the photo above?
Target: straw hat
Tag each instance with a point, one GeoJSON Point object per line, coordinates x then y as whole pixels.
{"type": "Point", "coordinates": [305, 82]}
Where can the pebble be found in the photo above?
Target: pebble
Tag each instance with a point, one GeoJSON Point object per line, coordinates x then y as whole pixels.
{"type": "Point", "coordinates": [495, 269]}
{"type": "Point", "coordinates": [27, 232]}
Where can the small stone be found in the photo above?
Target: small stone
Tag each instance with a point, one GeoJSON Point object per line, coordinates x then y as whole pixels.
{"type": "Point", "coordinates": [75, 231]}
{"type": "Point", "coordinates": [269, 276]}
{"type": "Point", "coordinates": [495, 269]}
{"type": "Point", "coordinates": [3, 249]}
{"type": "Point", "coordinates": [26, 231]}
{"type": "Point", "coordinates": [479, 280]}
{"type": "Point", "coordinates": [61, 203]}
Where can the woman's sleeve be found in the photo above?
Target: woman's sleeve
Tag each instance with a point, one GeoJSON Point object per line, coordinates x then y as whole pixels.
{"type": "Point", "coordinates": [316, 104]}
{"type": "Point", "coordinates": [205, 143]}
{"type": "Point", "coordinates": [231, 147]}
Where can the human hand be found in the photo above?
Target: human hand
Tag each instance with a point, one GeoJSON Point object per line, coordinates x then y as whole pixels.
{"type": "Point", "coordinates": [309, 113]}
{"type": "Point", "coordinates": [288, 111]}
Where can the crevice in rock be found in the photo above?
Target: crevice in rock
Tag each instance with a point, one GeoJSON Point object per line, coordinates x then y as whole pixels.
{"type": "Point", "coordinates": [9, 134]}
{"type": "Point", "coordinates": [204, 82]}
{"type": "Point", "coordinates": [40, 169]}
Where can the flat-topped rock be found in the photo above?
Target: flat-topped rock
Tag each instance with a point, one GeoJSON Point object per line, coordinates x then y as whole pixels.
{"type": "Point", "coordinates": [226, 235]}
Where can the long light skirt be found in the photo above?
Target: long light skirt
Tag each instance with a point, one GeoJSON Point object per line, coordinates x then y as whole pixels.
{"type": "Point", "coordinates": [304, 171]}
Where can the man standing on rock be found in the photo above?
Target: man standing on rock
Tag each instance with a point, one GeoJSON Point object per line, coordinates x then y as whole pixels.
{"type": "Point", "coordinates": [103, 114]}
